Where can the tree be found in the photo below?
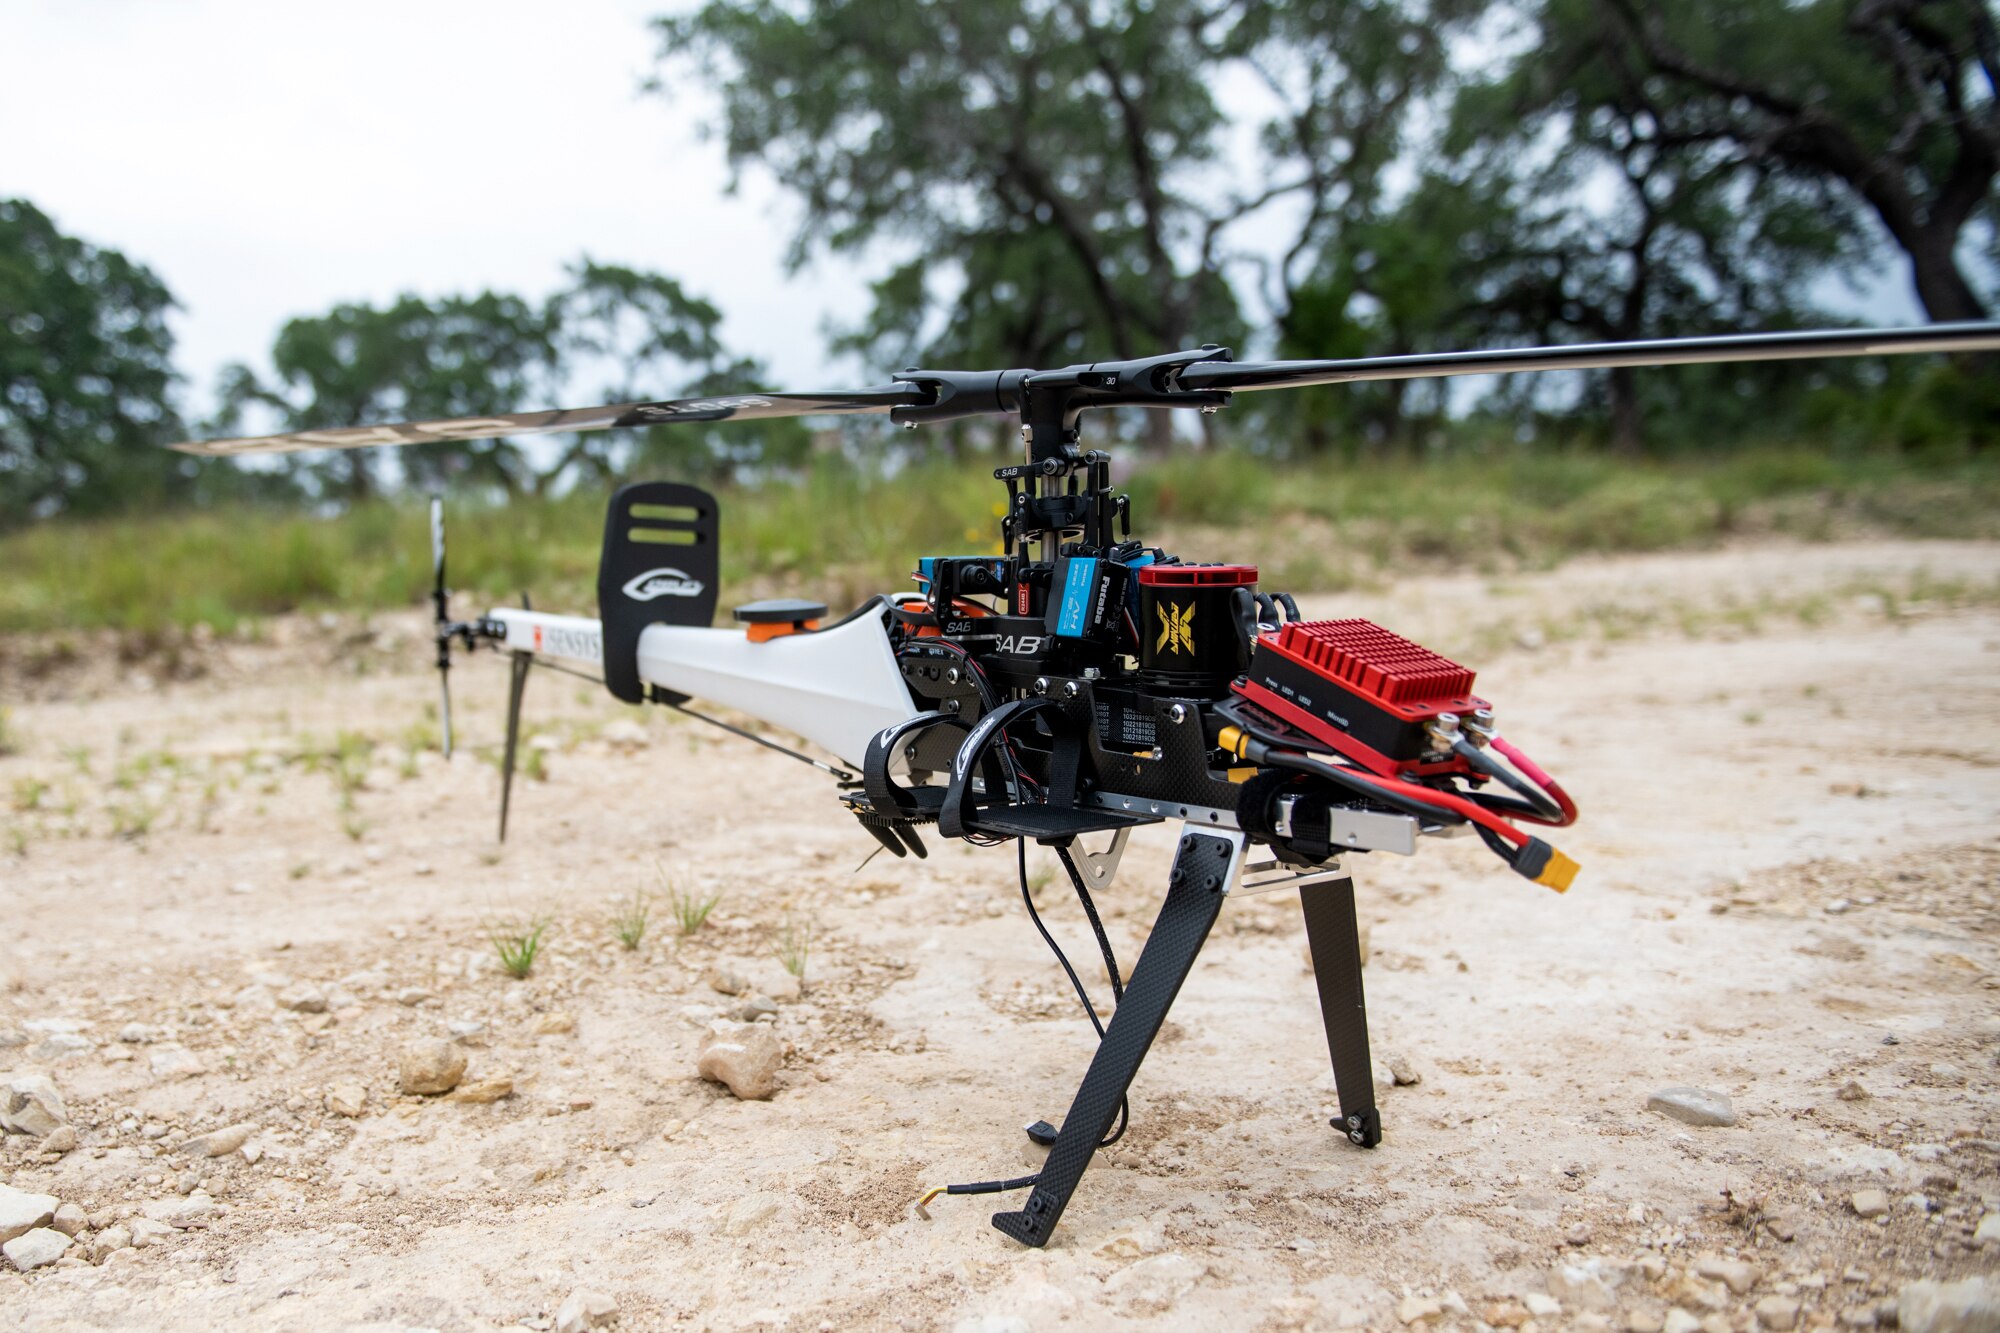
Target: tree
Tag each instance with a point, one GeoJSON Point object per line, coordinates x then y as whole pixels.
{"type": "Point", "coordinates": [86, 380]}
{"type": "Point", "coordinates": [1897, 102]}
{"type": "Point", "coordinates": [462, 356]}
{"type": "Point", "coordinates": [1059, 173]}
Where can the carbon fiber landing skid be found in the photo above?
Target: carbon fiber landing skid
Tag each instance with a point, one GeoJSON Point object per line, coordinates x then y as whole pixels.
{"type": "Point", "coordinates": [1335, 941]}
{"type": "Point", "coordinates": [1204, 867]}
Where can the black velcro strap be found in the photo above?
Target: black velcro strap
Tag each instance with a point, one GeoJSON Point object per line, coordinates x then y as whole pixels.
{"type": "Point", "coordinates": [884, 795]}
{"type": "Point", "coordinates": [977, 751]}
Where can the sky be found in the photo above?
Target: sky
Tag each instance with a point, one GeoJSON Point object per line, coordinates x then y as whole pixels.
{"type": "Point", "coordinates": [269, 160]}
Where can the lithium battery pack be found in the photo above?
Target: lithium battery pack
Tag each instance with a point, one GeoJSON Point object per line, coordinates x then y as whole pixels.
{"type": "Point", "coordinates": [1364, 691]}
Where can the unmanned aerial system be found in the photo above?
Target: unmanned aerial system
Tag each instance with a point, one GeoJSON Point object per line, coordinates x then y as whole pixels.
{"type": "Point", "coordinates": [1081, 683]}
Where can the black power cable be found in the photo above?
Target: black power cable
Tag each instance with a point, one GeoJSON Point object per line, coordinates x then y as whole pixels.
{"type": "Point", "coordinates": [1076, 983]}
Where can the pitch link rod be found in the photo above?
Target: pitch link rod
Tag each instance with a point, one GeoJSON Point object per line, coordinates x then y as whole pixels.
{"type": "Point", "coordinates": [1249, 376]}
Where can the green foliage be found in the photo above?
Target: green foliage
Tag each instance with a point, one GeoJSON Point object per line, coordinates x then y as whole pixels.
{"type": "Point", "coordinates": [86, 380]}
{"type": "Point", "coordinates": [518, 944]}
{"type": "Point", "coordinates": [690, 907]}
{"type": "Point", "coordinates": [629, 921]}
{"type": "Point", "coordinates": [793, 946]}
{"type": "Point", "coordinates": [841, 535]}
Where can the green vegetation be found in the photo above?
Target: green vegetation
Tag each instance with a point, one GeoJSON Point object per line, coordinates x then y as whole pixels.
{"type": "Point", "coordinates": [793, 946]}
{"type": "Point", "coordinates": [518, 943]}
{"type": "Point", "coordinates": [690, 907]}
{"type": "Point", "coordinates": [629, 921]}
{"type": "Point", "coordinates": [1319, 523]}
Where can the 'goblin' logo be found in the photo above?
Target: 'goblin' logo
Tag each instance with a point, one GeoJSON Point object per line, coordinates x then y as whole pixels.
{"type": "Point", "coordinates": [662, 583]}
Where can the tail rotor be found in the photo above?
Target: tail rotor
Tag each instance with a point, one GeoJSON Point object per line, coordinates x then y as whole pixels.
{"type": "Point", "coordinates": [441, 611]}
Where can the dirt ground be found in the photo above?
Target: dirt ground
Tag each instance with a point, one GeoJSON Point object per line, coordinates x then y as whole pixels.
{"type": "Point", "coordinates": [1788, 760]}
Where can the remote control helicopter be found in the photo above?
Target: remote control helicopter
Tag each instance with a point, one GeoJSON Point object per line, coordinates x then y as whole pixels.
{"type": "Point", "coordinates": [1081, 683]}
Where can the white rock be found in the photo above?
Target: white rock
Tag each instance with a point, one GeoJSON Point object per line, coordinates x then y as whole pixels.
{"type": "Point", "coordinates": [136, 1034]}
{"type": "Point", "coordinates": [1540, 1306]}
{"type": "Point", "coordinates": [742, 1058]}
{"type": "Point", "coordinates": [60, 1140]}
{"type": "Point", "coordinates": [1869, 1203]}
{"type": "Point", "coordinates": [346, 1098]}
{"type": "Point", "coordinates": [109, 1241]}
{"type": "Point", "coordinates": [218, 1142]}
{"type": "Point", "coordinates": [1693, 1106]}
{"type": "Point", "coordinates": [1734, 1274]}
{"type": "Point", "coordinates": [70, 1220]}
{"type": "Point", "coordinates": [585, 1310]}
{"type": "Point", "coordinates": [30, 1104]}
{"type": "Point", "coordinates": [1418, 1310]}
{"type": "Point", "coordinates": [146, 1233]}
{"type": "Point", "coordinates": [21, 1212]}
{"type": "Point", "coordinates": [430, 1065]}
{"type": "Point", "coordinates": [1971, 1306]}
{"type": "Point", "coordinates": [60, 1046]}
{"type": "Point", "coordinates": [1780, 1314]}
{"type": "Point", "coordinates": [1587, 1284]}
{"type": "Point", "coordinates": [196, 1210]}
{"type": "Point", "coordinates": [174, 1062]}
{"type": "Point", "coordinates": [34, 1249]}
{"type": "Point", "coordinates": [304, 999]}
{"type": "Point", "coordinates": [1680, 1321]}
{"type": "Point", "coordinates": [1988, 1231]}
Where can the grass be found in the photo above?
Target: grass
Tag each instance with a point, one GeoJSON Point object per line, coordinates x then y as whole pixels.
{"type": "Point", "coordinates": [10, 739]}
{"type": "Point", "coordinates": [519, 944]}
{"type": "Point", "coordinates": [838, 534]}
{"type": "Point", "coordinates": [690, 907]}
{"type": "Point", "coordinates": [793, 946]}
{"type": "Point", "coordinates": [629, 920]}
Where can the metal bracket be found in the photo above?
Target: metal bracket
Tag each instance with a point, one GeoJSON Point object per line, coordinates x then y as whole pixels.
{"type": "Point", "coordinates": [1270, 876]}
{"type": "Point", "coordinates": [1100, 868]}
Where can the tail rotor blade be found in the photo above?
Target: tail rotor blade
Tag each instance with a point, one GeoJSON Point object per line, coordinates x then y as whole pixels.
{"type": "Point", "coordinates": [444, 712]}
{"type": "Point", "coordinates": [516, 686]}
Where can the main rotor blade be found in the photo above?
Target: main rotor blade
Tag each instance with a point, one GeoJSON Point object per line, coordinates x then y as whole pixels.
{"type": "Point", "coordinates": [1244, 376]}
{"type": "Point", "coordinates": [739, 407]}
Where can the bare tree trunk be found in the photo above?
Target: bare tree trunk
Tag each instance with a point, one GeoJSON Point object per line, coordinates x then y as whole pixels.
{"type": "Point", "coordinates": [1941, 284]}
{"type": "Point", "coordinates": [1628, 423]}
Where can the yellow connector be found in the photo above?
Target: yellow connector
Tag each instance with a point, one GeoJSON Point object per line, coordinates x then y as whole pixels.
{"type": "Point", "coordinates": [1233, 740]}
{"type": "Point", "coordinates": [1559, 873]}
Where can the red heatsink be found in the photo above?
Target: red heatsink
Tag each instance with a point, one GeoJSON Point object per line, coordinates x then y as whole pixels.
{"type": "Point", "coordinates": [1373, 662]}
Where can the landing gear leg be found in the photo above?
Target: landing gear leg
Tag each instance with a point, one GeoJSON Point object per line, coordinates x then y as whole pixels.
{"type": "Point", "coordinates": [1335, 941]}
{"type": "Point", "coordinates": [1205, 867]}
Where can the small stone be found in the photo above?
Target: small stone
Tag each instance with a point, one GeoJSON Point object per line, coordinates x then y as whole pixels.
{"type": "Point", "coordinates": [1680, 1321]}
{"type": "Point", "coordinates": [1988, 1230]}
{"type": "Point", "coordinates": [585, 1310]}
{"type": "Point", "coordinates": [1504, 1314]}
{"type": "Point", "coordinates": [1587, 1284]}
{"type": "Point", "coordinates": [253, 1153]}
{"type": "Point", "coordinates": [412, 996]}
{"type": "Point", "coordinates": [173, 1062]}
{"type": "Point", "coordinates": [671, 1128]}
{"type": "Point", "coordinates": [744, 1059]}
{"type": "Point", "coordinates": [59, 1046]}
{"type": "Point", "coordinates": [1540, 1306]}
{"type": "Point", "coordinates": [727, 981]}
{"type": "Point", "coordinates": [554, 1025]}
{"type": "Point", "coordinates": [1693, 1106]}
{"type": "Point", "coordinates": [754, 1007]}
{"type": "Point", "coordinates": [346, 1098]}
{"type": "Point", "coordinates": [30, 1104]}
{"type": "Point", "coordinates": [135, 1034]}
{"type": "Point", "coordinates": [217, 1142]}
{"type": "Point", "coordinates": [1418, 1310]}
{"type": "Point", "coordinates": [1852, 1091]}
{"type": "Point", "coordinates": [147, 1233]}
{"type": "Point", "coordinates": [1858, 1316]}
{"type": "Point", "coordinates": [1869, 1203]}
{"type": "Point", "coordinates": [303, 999]}
{"type": "Point", "coordinates": [431, 1065]}
{"type": "Point", "coordinates": [1644, 1321]}
{"type": "Point", "coordinates": [1734, 1274]}
{"type": "Point", "coordinates": [1404, 1071]}
{"type": "Point", "coordinates": [70, 1220]}
{"type": "Point", "coordinates": [481, 1092]}
{"type": "Point", "coordinates": [1970, 1306]}
{"type": "Point", "coordinates": [195, 1210]}
{"type": "Point", "coordinates": [785, 990]}
{"type": "Point", "coordinates": [1578, 1234]}
{"type": "Point", "coordinates": [60, 1140]}
{"type": "Point", "coordinates": [109, 1241]}
{"type": "Point", "coordinates": [21, 1212]}
{"type": "Point", "coordinates": [35, 1249]}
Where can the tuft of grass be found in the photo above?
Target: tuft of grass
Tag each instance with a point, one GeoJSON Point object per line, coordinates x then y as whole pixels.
{"type": "Point", "coordinates": [28, 793]}
{"type": "Point", "coordinates": [690, 907]}
{"type": "Point", "coordinates": [519, 944]}
{"type": "Point", "coordinates": [629, 921]}
{"type": "Point", "coordinates": [10, 739]}
{"type": "Point", "coordinates": [793, 946]}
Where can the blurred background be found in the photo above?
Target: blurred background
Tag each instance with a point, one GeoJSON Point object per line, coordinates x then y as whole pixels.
{"type": "Point", "coordinates": [228, 218]}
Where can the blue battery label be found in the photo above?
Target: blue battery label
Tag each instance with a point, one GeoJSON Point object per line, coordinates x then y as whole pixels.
{"type": "Point", "coordinates": [1078, 581]}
